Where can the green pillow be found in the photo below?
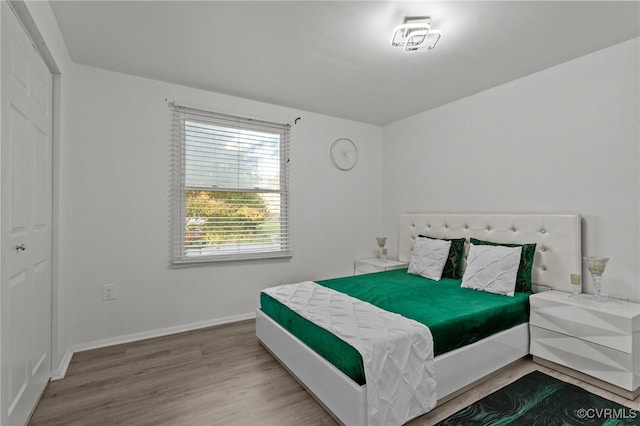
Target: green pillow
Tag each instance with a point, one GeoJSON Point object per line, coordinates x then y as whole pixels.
{"type": "Point", "coordinates": [453, 265]}
{"type": "Point", "coordinates": [523, 278]}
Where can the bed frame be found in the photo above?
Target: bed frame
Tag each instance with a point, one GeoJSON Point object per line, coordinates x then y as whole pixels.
{"type": "Point", "coordinates": [558, 254]}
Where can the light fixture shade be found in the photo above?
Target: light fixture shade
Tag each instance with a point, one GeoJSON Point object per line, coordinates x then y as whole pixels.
{"type": "Point", "coordinates": [432, 39]}
{"type": "Point", "coordinates": [413, 35]}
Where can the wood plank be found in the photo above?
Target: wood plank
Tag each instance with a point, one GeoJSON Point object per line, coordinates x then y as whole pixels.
{"type": "Point", "coordinates": [213, 376]}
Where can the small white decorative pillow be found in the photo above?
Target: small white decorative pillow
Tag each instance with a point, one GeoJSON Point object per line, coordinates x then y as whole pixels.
{"type": "Point", "coordinates": [428, 258]}
{"type": "Point", "coordinates": [492, 269]}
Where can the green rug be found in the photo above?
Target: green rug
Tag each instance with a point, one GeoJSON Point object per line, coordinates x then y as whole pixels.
{"type": "Point", "coordinates": [538, 399]}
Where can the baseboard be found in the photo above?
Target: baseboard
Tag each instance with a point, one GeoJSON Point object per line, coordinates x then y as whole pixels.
{"type": "Point", "coordinates": [134, 337]}
{"type": "Point", "coordinates": [64, 364]}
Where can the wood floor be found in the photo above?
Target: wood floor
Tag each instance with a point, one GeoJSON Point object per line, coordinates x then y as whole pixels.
{"type": "Point", "coordinates": [213, 376]}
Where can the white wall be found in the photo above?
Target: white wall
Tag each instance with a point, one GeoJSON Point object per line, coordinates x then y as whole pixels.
{"type": "Point", "coordinates": [115, 220]}
{"type": "Point", "coordinates": [561, 140]}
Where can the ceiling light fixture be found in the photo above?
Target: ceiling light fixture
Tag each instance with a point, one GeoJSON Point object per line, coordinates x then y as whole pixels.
{"type": "Point", "coordinates": [415, 33]}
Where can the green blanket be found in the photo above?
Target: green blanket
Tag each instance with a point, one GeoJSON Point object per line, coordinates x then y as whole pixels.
{"type": "Point", "coordinates": [456, 316]}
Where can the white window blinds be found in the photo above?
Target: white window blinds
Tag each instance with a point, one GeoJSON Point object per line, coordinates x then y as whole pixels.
{"type": "Point", "coordinates": [231, 187]}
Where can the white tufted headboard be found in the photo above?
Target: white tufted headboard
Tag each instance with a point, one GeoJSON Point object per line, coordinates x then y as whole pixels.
{"type": "Point", "coordinates": [558, 249]}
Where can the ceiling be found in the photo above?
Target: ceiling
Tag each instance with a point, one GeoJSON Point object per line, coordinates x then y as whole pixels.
{"type": "Point", "coordinates": [335, 57]}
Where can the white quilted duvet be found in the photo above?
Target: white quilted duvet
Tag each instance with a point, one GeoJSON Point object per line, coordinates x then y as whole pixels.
{"type": "Point", "coordinates": [397, 352]}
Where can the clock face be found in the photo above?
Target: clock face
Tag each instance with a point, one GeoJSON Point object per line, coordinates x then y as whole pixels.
{"type": "Point", "coordinates": [344, 153]}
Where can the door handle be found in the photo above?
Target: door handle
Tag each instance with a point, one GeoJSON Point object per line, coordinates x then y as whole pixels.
{"type": "Point", "coordinates": [21, 247]}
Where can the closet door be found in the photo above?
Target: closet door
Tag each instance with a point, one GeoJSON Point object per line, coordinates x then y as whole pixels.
{"type": "Point", "coordinates": [25, 222]}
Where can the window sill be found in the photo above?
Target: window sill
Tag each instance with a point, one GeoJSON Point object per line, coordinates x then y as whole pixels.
{"type": "Point", "coordinates": [203, 260]}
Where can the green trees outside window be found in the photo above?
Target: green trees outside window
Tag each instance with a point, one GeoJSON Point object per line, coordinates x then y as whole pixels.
{"type": "Point", "coordinates": [217, 217]}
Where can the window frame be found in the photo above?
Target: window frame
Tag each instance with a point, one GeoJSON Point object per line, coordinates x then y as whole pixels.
{"type": "Point", "coordinates": [180, 116]}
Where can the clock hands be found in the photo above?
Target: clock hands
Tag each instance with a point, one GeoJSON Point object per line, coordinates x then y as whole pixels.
{"type": "Point", "coordinates": [344, 155]}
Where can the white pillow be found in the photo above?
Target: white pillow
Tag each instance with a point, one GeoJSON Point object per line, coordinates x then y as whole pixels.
{"type": "Point", "coordinates": [492, 269]}
{"type": "Point", "coordinates": [428, 258]}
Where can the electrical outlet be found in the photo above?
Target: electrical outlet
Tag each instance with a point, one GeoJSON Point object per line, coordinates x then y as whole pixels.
{"type": "Point", "coordinates": [108, 292]}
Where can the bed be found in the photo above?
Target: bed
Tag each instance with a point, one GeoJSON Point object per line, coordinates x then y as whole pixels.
{"type": "Point", "coordinates": [457, 366]}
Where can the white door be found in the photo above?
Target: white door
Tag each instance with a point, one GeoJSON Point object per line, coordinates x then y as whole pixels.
{"type": "Point", "coordinates": [25, 222]}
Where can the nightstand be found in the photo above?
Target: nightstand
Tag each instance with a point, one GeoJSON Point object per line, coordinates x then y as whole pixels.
{"type": "Point", "coordinates": [588, 339]}
{"type": "Point", "coordinates": [375, 264]}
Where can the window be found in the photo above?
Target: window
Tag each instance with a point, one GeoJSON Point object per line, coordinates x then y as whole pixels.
{"type": "Point", "coordinates": [231, 187]}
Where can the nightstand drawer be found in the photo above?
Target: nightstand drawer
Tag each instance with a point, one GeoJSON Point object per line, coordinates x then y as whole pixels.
{"type": "Point", "coordinates": [367, 266]}
{"type": "Point", "coordinates": [604, 363]}
{"type": "Point", "coordinates": [587, 322]}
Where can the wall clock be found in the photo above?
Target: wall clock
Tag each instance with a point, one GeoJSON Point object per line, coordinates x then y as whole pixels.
{"type": "Point", "coordinates": [344, 153]}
